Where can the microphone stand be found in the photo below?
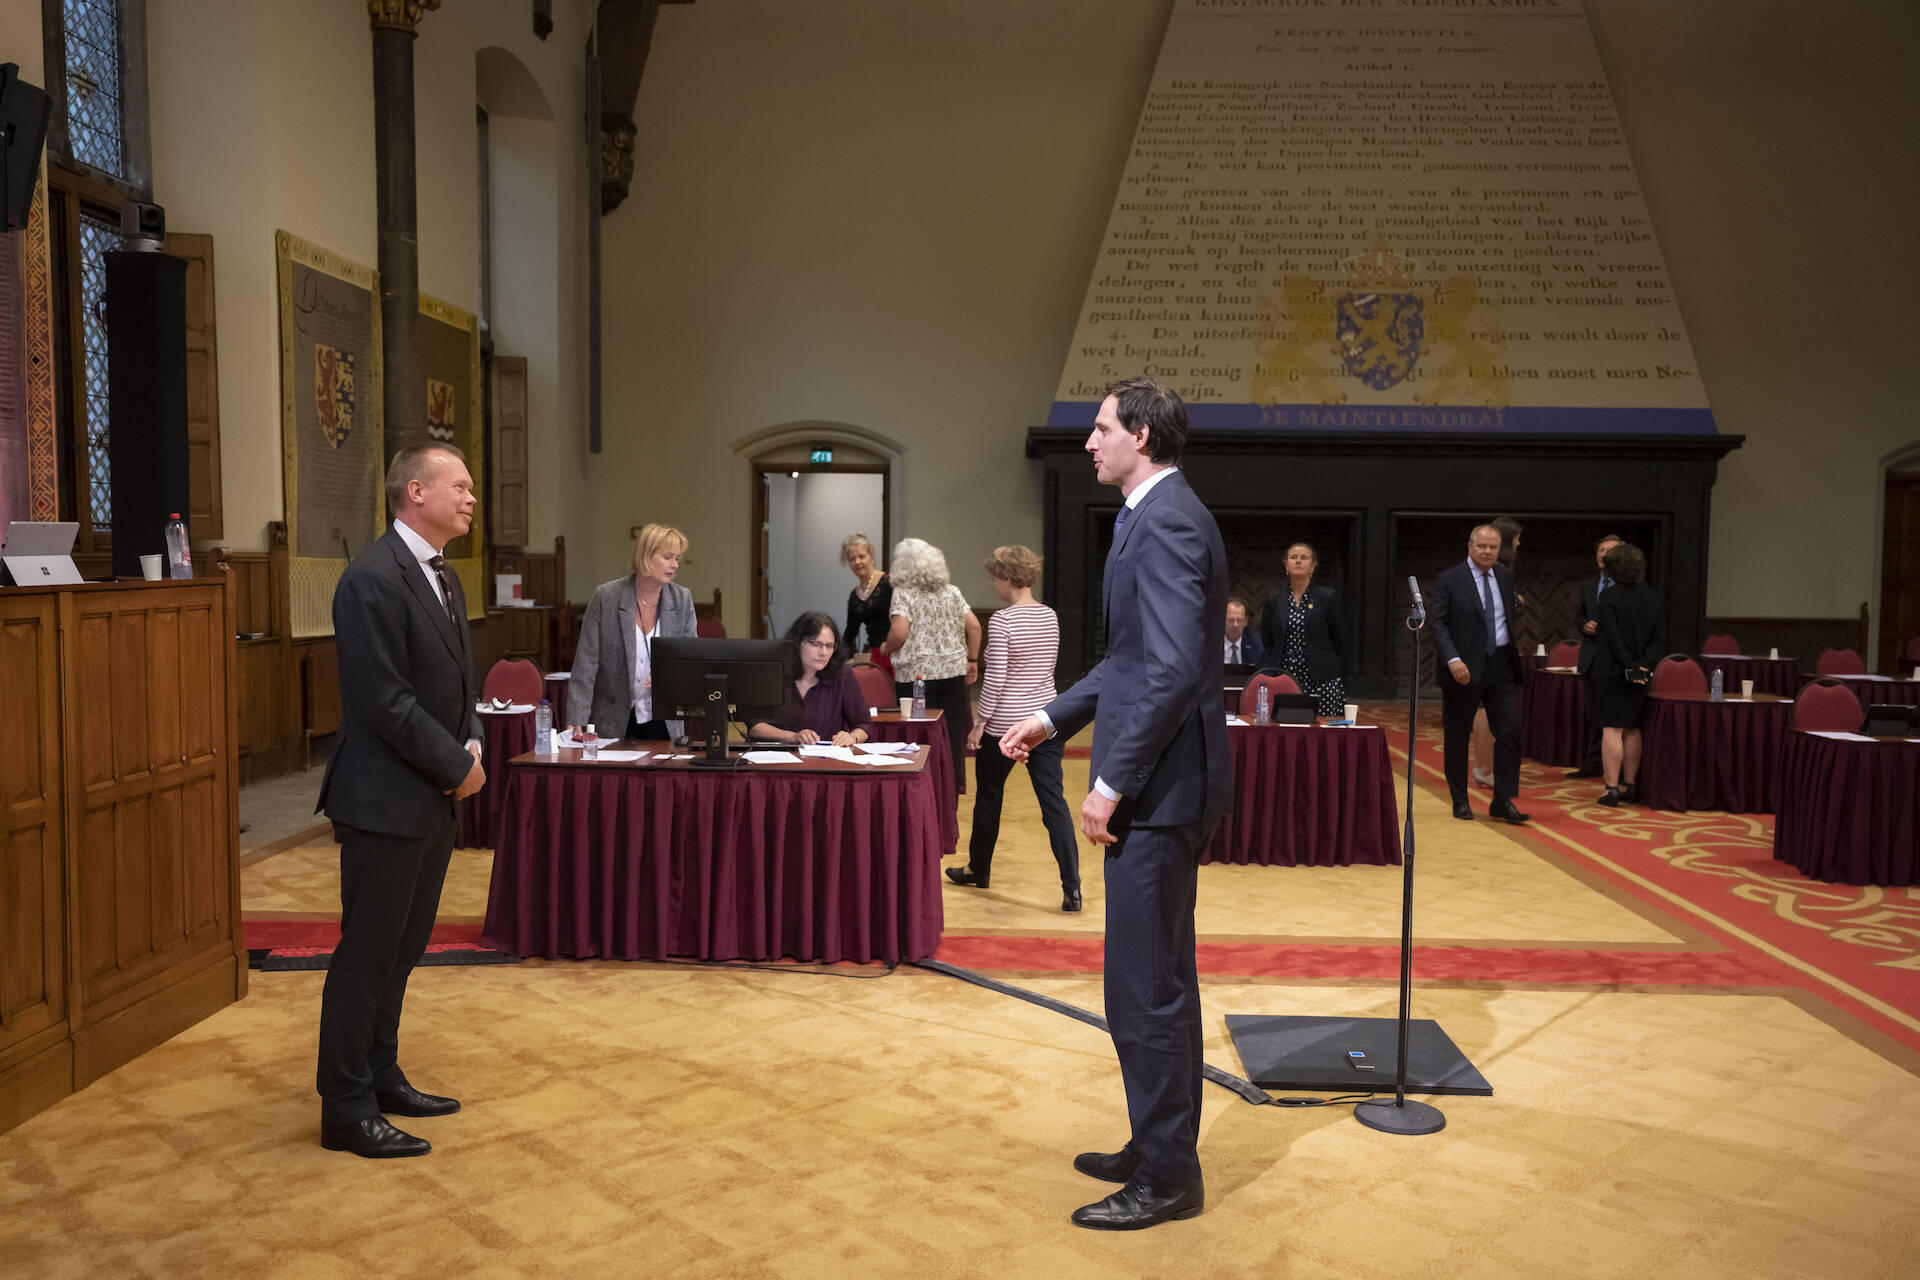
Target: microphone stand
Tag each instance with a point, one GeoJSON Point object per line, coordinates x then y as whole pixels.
{"type": "Point", "coordinates": [1400, 1115]}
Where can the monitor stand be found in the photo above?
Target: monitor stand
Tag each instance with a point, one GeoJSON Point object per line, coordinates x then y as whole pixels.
{"type": "Point", "coordinates": [716, 726]}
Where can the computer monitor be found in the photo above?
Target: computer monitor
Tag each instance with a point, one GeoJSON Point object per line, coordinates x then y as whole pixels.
{"type": "Point", "coordinates": [1891, 720]}
{"type": "Point", "coordinates": [715, 680]}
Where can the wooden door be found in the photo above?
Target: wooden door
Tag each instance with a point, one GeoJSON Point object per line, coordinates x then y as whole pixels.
{"type": "Point", "coordinates": [1899, 570]}
{"type": "Point", "coordinates": [35, 1062]}
{"type": "Point", "coordinates": [204, 517]}
{"type": "Point", "coordinates": [509, 460]}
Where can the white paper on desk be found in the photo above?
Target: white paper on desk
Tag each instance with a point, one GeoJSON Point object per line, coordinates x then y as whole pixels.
{"type": "Point", "coordinates": [518, 708]}
{"type": "Point", "coordinates": [768, 757]}
{"type": "Point", "coordinates": [565, 738]}
{"type": "Point", "coordinates": [886, 748]}
{"type": "Point", "coordinates": [623, 757]}
{"type": "Point", "coordinates": [1839, 736]}
{"type": "Point", "coordinates": [827, 751]}
{"type": "Point", "coordinates": [882, 760]}
{"type": "Point", "coordinates": [1233, 719]}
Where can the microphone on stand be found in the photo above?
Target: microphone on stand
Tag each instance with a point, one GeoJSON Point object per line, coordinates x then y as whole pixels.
{"type": "Point", "coordinates": [1418, 618]}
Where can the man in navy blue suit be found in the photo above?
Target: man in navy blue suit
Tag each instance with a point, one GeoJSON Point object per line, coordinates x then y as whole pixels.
{"type": "Point", "coordinates": [1161, 783]}
{"type": "Point", "coordinates": [1474, 619]}
{"type": "Point", "coordinates": [1243, 648]}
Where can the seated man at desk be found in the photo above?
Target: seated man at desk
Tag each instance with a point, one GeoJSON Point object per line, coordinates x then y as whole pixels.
{"type": "Point", "coordinates": [826, 704]}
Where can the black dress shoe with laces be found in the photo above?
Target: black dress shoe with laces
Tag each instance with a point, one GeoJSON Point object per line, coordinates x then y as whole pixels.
{"type": "Point", "coordinates": [405, 1100]}
{"type": "Point", "coordinates": [965, 876]}
{"type": "Point", "coordinates": [1463, 811]}
{"type": "Point", "coordinates": [1070, 900]}
{"type": "Point", "coordinates": [373, 1138]}
{"type": "Point", "coordinates": [1111, 1166]}
{"type": "Point", "coordinates": [1137, 1205]}
{"type": "Point", "coordinates": [1508, 811]}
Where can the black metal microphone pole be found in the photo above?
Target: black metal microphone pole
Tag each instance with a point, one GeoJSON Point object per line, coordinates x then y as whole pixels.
{"type": "Point", "coordinates": [1400, 1115]}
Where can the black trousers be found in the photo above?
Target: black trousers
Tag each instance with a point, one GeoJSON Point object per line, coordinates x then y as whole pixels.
{"type": "Point", "coordinates": [389, 895]}
{"type": "Point", "coordinates": [1590, 750]}
{"type": "Point", "coordinates": [950, 696]}
{"type": "Point", "coordinates": [1498, 688]}
{"type": "Point", "coordinates": [650, 731]}
{"type": "Point", "coordinates": [1153, 994]}
{"type": "Point", "coordinates": [990, 770]}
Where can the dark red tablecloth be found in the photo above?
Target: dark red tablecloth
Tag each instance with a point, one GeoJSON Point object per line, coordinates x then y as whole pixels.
{"type": "Point", "coordinates": [643, 864]}
{"type": "Point", "coordinates": [1309, 797]}
{"type": "Point", "coordinates": [556, 685]}
{"type": "Point", "coordinates": [1873, 690]}
{"type": "Point", "coordinates": [1849, 811]}
{"type": "Point", "coordinates": [1779, 676]}
{"type": "Point", "coordinates": [1701, 754]}
{"type": "Point", "coordinates": [504, 735]}
{"type": "Point", "coordinates": [888, 726]}
{"type": "Point", "coordinates": [1553, 717]}
{"type": "Point", "coordinates": [1528, 663]}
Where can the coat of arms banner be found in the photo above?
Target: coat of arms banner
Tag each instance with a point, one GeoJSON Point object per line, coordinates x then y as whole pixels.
{"type": "Point", "coordinates": [450, 358]}
{"type": "Point", "coordinates": [330, 421]}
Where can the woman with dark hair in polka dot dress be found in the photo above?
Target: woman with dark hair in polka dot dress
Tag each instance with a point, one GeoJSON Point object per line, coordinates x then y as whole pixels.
{"type": "Point", "coordinates": [1305, 631]}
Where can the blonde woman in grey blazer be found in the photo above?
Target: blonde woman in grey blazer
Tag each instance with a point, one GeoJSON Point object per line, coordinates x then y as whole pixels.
{"type": "Point", "coordinates": [612, 668]}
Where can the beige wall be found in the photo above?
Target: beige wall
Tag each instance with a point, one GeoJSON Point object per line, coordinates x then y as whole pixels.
{"type": "Point", "coordinates": [262, 120]}
{"type": "Point", "coordinates": [885, 216]}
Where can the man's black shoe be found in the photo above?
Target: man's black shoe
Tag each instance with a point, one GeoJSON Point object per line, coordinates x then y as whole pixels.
{"type": "Point", "coordinates": [965, 876]}
{"type": "Point", "coordinates": [1135, 1206]}
{"type": "Point", "coordinates": [405, 1100]}
{"type": "Point", "coordinates": [1463, 811]}
{"type": "Point", "coordinates": [1507, 811]}
{"type": "Point", "coordinates": [1112, 1166]}
{"type": "Point", "coordinates": [373, 1138]}
{"type": "Point", "coordinates": [1070, 900]}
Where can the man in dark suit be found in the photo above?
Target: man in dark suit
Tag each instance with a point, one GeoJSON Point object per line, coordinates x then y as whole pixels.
{"type": "Point", "coordinates": [1475, 619]}
{"type": "Point", "coordinates": [1243, 648]}
{"type": "Point", "coordinates": [409, 750]}
{"type": "Point", "coordinates": [1161, 783]}
{"type": "Point", "coordinates": [1587, 616]}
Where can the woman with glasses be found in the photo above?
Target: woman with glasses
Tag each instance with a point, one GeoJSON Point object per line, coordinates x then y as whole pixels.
{"type": "Point", "coordinates": [825, 705]}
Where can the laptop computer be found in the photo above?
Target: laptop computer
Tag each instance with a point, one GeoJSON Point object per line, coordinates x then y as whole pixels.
{"type": "Point", "coordinates": [39, 553]}
{"type": "Point", "coordinates": [1887, 720]}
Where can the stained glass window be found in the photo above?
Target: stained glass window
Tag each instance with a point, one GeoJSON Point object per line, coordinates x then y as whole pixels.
{"type": "Point", "coordinates": [95, 119]}
{"type": "Point", "coordinates": [97, 239]}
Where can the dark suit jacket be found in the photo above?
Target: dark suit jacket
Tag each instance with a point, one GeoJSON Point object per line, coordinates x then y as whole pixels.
{"type": "Point", "coordinates": [1326, 639]}
{"type": "Point", "coordinates": [1587, 611]}
{"type": "Point", "coordinates": [406, 696]}
{"type": "Point", "coordinates": [1631, 630]}
{"type": "Point", "coordinates": [1458, 626]}
{"type": "Point", "coordinates": [1160, 731]}
{"type": "Point", "coordinates": [1252, 651]}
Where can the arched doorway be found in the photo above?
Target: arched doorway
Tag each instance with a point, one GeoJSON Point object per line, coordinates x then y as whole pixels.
{"type": "Point", "coordinates": [1898, 608]}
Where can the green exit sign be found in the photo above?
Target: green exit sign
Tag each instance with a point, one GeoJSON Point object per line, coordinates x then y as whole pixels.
{"type": "Point", "coordinates": [822, 455]}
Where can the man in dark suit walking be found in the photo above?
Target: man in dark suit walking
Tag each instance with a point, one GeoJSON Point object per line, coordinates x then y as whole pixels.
{"type": "Point", "coordinates": [1474, 619]}
{"type": "Point", "coordinates": [1161, 783]}
{"type": "Point", "coordinates": [409, 750]}
{"type": "Point", "coordinates": [1587, 616]}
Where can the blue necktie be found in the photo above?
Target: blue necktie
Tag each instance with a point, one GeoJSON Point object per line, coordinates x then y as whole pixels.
{"type": "Point", "coordinates": [1605, 582]}
{"type": "Point", "coordinates": [1120, 522]}
{"type": "Point", "coordinates": [1486, 603]}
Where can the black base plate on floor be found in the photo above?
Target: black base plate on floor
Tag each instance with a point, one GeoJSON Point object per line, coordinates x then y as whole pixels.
{"type": "Point", "coordinates": [1312, 1054]}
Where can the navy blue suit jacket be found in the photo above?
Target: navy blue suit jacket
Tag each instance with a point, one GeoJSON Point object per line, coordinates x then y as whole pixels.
{"type": "Point", "coordinates": [1160, 729]}
{"type": "Point", "coordinates": [1458, 623]}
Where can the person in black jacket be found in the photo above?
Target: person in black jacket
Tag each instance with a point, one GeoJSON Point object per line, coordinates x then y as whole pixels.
{"type": "Point", "coordinates": [409, 751]}
{"type": "Point", "coordinates": [1474, 617]}
{"type": "Point", "coordinates": [870, 603]}
{"type": "Point", "coordinates": [1631, 638]}
{"type": "Point", "coordinates": [1303, 630]}
{"type": "Point", "coordinates": [1587, 618]}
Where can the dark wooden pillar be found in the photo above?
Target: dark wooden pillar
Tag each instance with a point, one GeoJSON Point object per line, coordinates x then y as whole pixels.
{"type": "Point", "coordinates": [403, 389]}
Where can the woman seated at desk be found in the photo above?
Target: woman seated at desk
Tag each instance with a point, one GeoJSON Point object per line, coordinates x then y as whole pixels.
{"type": "Point", "coordinates": [826, 704]}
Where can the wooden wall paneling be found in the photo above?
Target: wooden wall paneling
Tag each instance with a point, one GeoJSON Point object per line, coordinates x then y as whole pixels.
{"type": "Point", "coordinates": [508, 457]}
{"type": "Point", "coordinates": [203, 387]}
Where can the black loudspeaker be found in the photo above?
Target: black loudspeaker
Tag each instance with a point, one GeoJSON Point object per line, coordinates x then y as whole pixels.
{"type": "Point", "coordinates": [146, 304]}
{"type": "Point", "coordinates": [23, 131]}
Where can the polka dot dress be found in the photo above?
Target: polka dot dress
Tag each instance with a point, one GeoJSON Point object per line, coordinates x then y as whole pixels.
{"type": "Point", "coordinates": [1330, 698]}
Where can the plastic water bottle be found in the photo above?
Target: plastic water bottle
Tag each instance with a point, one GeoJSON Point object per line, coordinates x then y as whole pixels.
{"type": "Point", "coordinates": [919, 698]}
{"type": "Point", "coordinates": [1262, 706]}
{"type": "Point", "coordinates": [1719, 684]}
{"type": "Point", "coordinates": [590, 749]}
{"type": "Point", "coordinates": [543, 729]}
{"type": "Point", "coordinates": [179, 554]}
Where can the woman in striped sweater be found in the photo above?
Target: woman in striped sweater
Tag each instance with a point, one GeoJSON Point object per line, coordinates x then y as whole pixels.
{"type": "Point", "coordinates": [1023, 642]}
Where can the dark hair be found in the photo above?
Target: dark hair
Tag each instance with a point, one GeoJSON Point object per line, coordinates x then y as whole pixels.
{"type": "Point", "coordinates": [1626, 563]}
{"type": "Point", "coordinates": [1244, 606]}
{"type": "Point", "coordinates": [1510, 531]}
{"type": "Point", "coordinates": [1605, 538]}
{"type": "Point", "coordinates": [1151, 403]}
{"type": "Point", "coordinates": [410, 464]}
{"type": "Point", "coordinates": [806, 627]}
{"type": "Point", "coordinates": [1310, 551]}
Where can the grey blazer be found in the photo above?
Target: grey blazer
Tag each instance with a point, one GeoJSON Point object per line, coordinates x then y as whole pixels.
{"type": "Point", "coordinates": [602, 683]}
{"type": "Point", "coordinates": [1159, 730]}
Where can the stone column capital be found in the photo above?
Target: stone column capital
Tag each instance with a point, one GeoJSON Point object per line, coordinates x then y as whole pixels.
{"type": "Point", "coordinates": [399, 15]}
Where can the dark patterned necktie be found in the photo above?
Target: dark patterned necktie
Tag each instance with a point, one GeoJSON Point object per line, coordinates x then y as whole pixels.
{"type": "Point", "coordinates": [1486, 602]}
{"type": "Point", "coordinates": [439, 567]}
{"type": "Point", "coordinates": [1120, 522]}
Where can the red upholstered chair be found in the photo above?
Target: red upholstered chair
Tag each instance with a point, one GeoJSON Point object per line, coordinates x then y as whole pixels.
{"type": "Point", "coordinates": [1272, 684]}
{"type": "Point", "coordinates": [876, 687]}
{"type": "Point", "coordinates": [1677, 673]}
{"type": "Point", "coordinates": [1840, 662]}
{"type": "Point", "coordinates": [710, 629]}
{"type": "Point", "coordinates": [1719, 644]}
{"type": "Point", "coordinates": [1826, 706]}
{"type": "Point", "coordinates": [1564, 654]}
{"type": "Point", "coordinates": [516, 680]}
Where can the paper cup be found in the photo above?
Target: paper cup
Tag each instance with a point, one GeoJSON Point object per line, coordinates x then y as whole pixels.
{"type": "Point", "coordinates": [1353, 712]}
{"type": "Point", "coordinates": [1773, 655]}
{"type": "Point", "coordinates": [150, 568]}
{"type": "Point", "coordinates": [906, 707]}
{"type": "Point", "coordinates": [1746, 688]}
{"type": "Point", "coordinates": [1540, 651]}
